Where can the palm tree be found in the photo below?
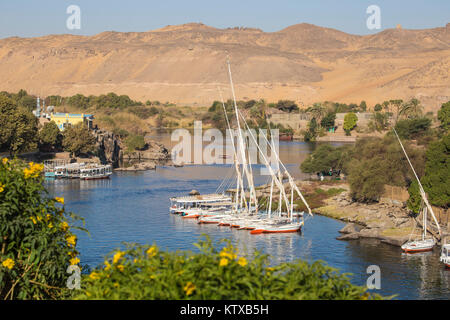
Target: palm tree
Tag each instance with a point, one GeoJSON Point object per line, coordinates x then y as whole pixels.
{"type": "Point", "coordinates": [411, 109]}
{"type": "Point", "coordinates": [318, 111]}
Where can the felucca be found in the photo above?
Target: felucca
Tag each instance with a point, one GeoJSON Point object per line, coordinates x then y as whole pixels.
{"type": "Point", "coordinates": [424, 243]}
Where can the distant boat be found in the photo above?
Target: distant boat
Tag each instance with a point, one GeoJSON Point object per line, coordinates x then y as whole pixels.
{"type": "Point", "coordinates": [286, 137]}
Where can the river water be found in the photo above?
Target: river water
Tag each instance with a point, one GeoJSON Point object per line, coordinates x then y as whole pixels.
{"type": "Point", "coordinates": [133, 208]}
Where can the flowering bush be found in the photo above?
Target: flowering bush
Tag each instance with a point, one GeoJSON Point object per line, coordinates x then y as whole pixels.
{"type": "Point", "coordinates": [36, 244]}
{"type": "Point", "coordinates": [145, 272]}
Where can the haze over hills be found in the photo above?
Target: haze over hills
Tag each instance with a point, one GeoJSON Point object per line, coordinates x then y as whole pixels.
{"type": "Point", "coordinates": [185, 64]}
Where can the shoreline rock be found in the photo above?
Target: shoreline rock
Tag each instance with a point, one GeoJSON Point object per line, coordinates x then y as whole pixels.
{"type": "Point", "coordinates": [385, 221]}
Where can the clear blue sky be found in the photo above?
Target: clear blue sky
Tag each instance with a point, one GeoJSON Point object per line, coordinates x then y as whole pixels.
{"type": "Point", "coordinates": [41, 17]}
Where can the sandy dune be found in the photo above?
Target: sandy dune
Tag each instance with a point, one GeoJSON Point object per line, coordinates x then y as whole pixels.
{"type": "Point", "coordinates": [185, 64]}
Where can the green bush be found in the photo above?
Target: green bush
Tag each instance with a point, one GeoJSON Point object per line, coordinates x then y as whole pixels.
{"type": "Point", "coordinates": [145, 272]}
{"type": "Point", "coordinates": [350, 121]}
{"type": "Point", "coordinates": [36, 242]}
{"type": "Point", "coordinates": [412, 128]}
{"type": "Point", "coordinates": [134, 142]}
{"type": "Point", "coordinates": [78, 140]}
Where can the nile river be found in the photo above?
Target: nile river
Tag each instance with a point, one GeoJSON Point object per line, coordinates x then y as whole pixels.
{"type": "Point", "coordinates": [133, 208]}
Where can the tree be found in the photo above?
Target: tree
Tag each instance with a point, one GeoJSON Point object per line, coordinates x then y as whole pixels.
{"type": "Point", "coordinates": [437, 172]}
{"type": "Point", "coordinates": [378, 107]}
{"type": "Point", "coordinates": [350, 121]}
{"type": "Point", "coordinates": [363, 106]}
{"type": "Point", "coordinates": [328, 122]}
{"type": "Point", "coordinates": [27, 102]}
{"type": "Point", "coordinates": [18, 127]}
{"type": "Point", "coordinates": [311, 133]}
{"type": "Point", "coordinates": [318, 111]}
{"type": "Point", "coordinates": [411, 109]}
{"type": "Point", "coordinates": [324, 158]}
{"type": "Point", "coordinates": [444, 116]}
{"type": "Point", "coordinates": [379, 122]}
{"type": "Point", "coordinates": [50, 136]}
{"type": "Point", "coordinates": [287, 106]}
{"type": "Point", "coordinates": [78, 140]}
{"type": "Point", "coordinates": [366, 179]}
{"type": "Point", "coordinates": [412, 128]}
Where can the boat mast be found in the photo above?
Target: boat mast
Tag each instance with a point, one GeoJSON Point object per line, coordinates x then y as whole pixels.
{"type": "Point", "coordinates": [239, 182]}
{"type": "Point", "coordinates": [291, 180]}
{"type": "Point", "coordinates": [422, 191]}
{"type": "Point", "coordinates": [241, 143]}
{"type": "Point", "coordinates": [267, 164]}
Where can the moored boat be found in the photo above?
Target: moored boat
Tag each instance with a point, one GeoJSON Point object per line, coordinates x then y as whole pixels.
{"type": "Point", "coordinates": [445, 255]}
{"type": "Point", "coordinates": [94, 172]}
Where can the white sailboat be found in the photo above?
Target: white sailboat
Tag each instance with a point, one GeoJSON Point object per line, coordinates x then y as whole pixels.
{"type": "Point", "coordinates": [424, 243]}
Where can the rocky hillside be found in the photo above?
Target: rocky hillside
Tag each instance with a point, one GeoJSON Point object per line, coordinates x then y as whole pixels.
{"type": "Point", "coordinates": [184, 64]}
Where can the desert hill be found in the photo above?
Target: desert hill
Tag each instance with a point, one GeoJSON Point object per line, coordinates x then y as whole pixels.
{"type": "Point", "coordinates": [185, 64]}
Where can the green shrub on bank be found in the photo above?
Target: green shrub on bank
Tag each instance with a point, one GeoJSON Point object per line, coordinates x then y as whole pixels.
{"type": "Point", "coordinates": [145, 272]}
{"type": "Point", "coordinates": [36, 244]}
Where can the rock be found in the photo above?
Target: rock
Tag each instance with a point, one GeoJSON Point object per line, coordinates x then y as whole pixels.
{"type": "Point", "coordinates": [398, 242]}
{"type": "Point", "coordinates": [142, 166]}
{"type": "Point", "coordinates": [194, 193]}
{"type": "Point", "coordinates": [369, 233]}
{"type": "Point", "coordinates": [350, 236]}
{"type": "Point", "coordinates": [108, 146]}
{"type": "Point", "coordinates": [350, 228]}
{"type": "Point", "coordinates": [153, 151]}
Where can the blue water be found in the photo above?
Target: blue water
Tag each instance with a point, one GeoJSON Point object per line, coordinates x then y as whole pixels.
{"type": "Point", "coordinates": [133, 208]}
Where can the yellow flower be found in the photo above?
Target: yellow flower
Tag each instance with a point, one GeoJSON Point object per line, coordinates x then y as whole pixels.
{"type": "Point", "coordinates": [151, 252]}
{"type": "Point", "coordinates": [33, 219]}
{"type": "Point", "coordinates": [33, 171]}
{"type": "Point", "coordinates": [50, 225]}
{"type": "Point", "coordinates": [223, 262]}
{"type": "Point", "coordinates": [108, 265]}
{"type": "Point", "coordinates": [94, 276]}
{"type": "Point", "coordinates": [270, 269]}
{"type": "Point", "coordinates": [242, 262]}
{"type": "Point", "coordinates": [5, 161]}
{"type": "Point", "coordinates": [2, 187]}
{"type": "Point", "coordinates": [71, 240]}
{"type": "Point", "coordinates": [74, 261]}
{"type": "Point", "coordinates": [118, 256]}
{"type": "Point", "coordinates": [38, 218]}
{"type": "Point", "coordinates": [189, 288]}
{"type": "Point", "coordinates": [228, 253]}
{"type": "Point", "coordinates": [60, 200]}
{"type": "Point", "coordinates": [8, 263]}
{"type": "Point", "coordinates": [64, 226]}
{"type": "Point", "coordinates": [116, 285]}
{"type": "Point", "coordinates": [120, 267]}
{"type": "Point", "coordinates": [152, 277]}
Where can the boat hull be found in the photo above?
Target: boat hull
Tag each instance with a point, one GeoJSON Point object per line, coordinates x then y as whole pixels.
{"type": "Point", "coordinates": [418, 246]}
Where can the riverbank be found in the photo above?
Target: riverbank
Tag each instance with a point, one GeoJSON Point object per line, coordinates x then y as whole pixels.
{"type": "Point", "coordinates": [387, 221]}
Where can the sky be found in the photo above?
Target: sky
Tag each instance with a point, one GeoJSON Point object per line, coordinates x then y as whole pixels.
{"type": "Point", "coordinates": [42, 17]}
